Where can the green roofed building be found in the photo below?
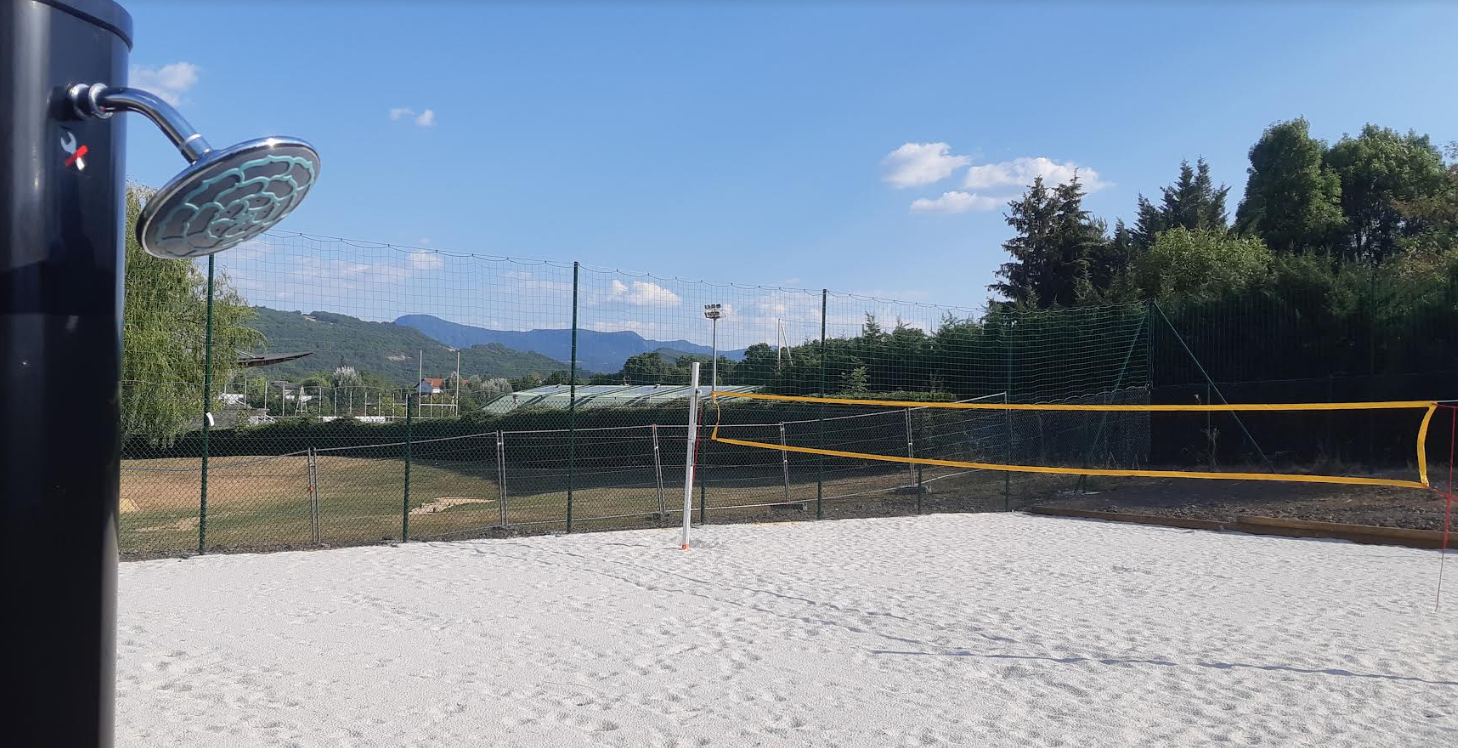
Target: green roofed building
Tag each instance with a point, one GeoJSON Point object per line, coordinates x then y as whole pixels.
{"type": "Point", "coordinates": [557, 396]}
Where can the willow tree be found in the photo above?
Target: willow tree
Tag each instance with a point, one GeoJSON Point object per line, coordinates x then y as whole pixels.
{"type": "Point", "coordinates": [164, 324]}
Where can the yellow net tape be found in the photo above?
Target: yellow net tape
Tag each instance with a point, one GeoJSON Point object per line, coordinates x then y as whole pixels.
{"type": "Point", "coordinates": [1430, 407]}
{"type": "Point", "coordinates": [1384, 405]}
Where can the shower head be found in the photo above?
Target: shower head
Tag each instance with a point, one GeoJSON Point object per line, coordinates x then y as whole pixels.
{"type": "Point", "coordinates": [226, 196]}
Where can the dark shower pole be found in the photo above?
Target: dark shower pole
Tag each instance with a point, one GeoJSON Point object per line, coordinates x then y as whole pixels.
{"type": "Point", "coordinates": [61, 187]}
{"type": "Point", "coordinates": [63, 67]}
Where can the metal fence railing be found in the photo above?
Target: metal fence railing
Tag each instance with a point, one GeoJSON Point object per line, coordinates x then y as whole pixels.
{"type": "Point", "coordinates": [495, 481]}
{"type": "Point", "coordinates": [371, 397]}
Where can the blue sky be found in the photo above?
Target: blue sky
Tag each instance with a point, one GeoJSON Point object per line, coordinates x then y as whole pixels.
{"type": "Point", "coordinates": [750, 142]}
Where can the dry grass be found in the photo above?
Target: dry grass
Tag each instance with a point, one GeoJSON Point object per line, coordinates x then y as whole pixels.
{"type": "Point", "coordinates": [263, 502]}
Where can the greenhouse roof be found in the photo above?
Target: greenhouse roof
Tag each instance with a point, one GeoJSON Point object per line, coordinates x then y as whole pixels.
{"type": "Point", "coordinates": [599, 396]}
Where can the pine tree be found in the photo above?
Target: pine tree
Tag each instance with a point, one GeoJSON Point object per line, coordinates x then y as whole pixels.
{"type": "Point", "coordinates": [1193, 202]}
{"type": "Point", "coordinates": [1111, 259]}
{"type": "Point", "coordinates": [1051, 253]}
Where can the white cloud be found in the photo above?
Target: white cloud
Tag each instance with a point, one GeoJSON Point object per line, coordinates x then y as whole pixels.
{"type": "Point", "coordinates": [168, 82]}
{"type": "Point", "coordinates": [953, 202]}
{"type": "Point", "coordinates": [916, 164]}
{"type": "Point", "coordinates": [526, 280]}
{"type": "Point", "coordinates": [426, 261]}
{"type": "Point", "coordinates": [424, 119]}
{"type": "Point", "coordinates": [1021, 171]}
{"type": "Point", "coordinates": [642, 293]}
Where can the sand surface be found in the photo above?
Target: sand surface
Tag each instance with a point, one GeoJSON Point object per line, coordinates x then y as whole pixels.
{"type": "Point", "coordinates": [985, 629]}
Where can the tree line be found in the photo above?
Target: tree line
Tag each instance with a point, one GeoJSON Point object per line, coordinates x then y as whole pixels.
{"type": "Point", "coordinates": [1340, 259]}
{"type": "Point", "coordinates": [1381, 199]}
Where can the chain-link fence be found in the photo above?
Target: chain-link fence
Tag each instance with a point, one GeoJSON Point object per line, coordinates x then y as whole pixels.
{"type": "Point", "coordinates": [365, 393]}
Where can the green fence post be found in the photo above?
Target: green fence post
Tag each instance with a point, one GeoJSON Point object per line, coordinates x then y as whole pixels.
{"type": "Point", "coordinates": [820, 459]}
{"type": "Point", "coordinates": [1149, 346]}
{"type": "Point", "coordinates": [703, 496]}
{"type": "Point", "coordinates": [1007, 328]}
{"type": "Point", "coordinates": [202, 501]}
{"type": "Point", "coordinates": [1149, 370]}
{"type": "Point", "coordinates": [1371, 367]}
{"type": "Point", "coordinates": [409, 437]}
{"type": "Point", "coordinates": [572, 404]}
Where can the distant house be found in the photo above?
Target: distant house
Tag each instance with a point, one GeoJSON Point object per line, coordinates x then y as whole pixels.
{"type": "Point", "coordinates": [429, 386]}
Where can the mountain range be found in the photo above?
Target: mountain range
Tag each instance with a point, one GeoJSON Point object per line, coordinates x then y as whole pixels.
{"type": "Point", "coordinates": [390, 348]}
{"type": "Point", "coordinates": [596, 351]}
{"type": "Point", "coordinates": [384, 348]}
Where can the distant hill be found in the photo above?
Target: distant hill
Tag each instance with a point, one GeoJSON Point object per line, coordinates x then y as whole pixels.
{"type": "Point", "coordinates": [385, 348]}
{"type": "Point", "coordinates": [596, 351]}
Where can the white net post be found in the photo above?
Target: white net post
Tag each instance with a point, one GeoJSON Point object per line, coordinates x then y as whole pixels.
{"type": "Point", "coordinates": [501, 475]}
{"type": "Point", "coordinates": [688, 460]}
{"type": "Point", "coordinates": [785, 463]}
{"type": "Point", "coordinates": [658, 473]}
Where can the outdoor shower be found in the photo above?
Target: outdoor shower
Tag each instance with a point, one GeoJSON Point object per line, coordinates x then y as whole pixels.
{"type": "Point", "coordinates": [63, 68]}
{"type": "Point", "coordinates": [225, 197]}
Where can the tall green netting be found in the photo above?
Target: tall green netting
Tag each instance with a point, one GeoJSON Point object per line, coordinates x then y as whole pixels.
{"type": "Point", "coordinates": [340, 417]}
{"type": "Point", "coordinates": [366, 392]}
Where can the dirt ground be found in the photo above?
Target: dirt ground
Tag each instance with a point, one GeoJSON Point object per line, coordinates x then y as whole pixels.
{"type": "Point", "coordinates": [1225, 500]}
{"type": "Point", "coordinates": [262, 503]}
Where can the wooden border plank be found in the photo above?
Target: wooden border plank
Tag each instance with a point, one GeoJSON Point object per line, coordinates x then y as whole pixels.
{"type": "Point", "coordinates": [1254, 525]}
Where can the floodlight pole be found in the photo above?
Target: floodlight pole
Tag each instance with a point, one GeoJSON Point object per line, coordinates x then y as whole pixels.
{"type": "Point", "coordinates": [713, 312]}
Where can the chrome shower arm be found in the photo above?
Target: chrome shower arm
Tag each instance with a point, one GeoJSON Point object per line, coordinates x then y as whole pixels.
{"type": "Point", "coordinates": [99, 100]}
{"type": "Point", "coordinates": [224, 197]}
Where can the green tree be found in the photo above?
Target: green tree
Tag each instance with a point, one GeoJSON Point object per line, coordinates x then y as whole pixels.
{"type": "Point", "coordinates": [1433, 221]}
{"type": "Point", "coordinates": [1050, 253]}
{"type": "Point", "coordinates": [1193, 202]}
{"type": "Point", "coordinates": [1381, 170]}
{"type": "Point", "coordinates": [645, 368]}
{"type": "Point", "coordinates": [1292, 200]}
{"type": "Point", "coordinates": [164, 324]}
{"type": "Point", "coordinates": [1197, 265]}
{"type": "Point", "coordinates": [527, 382]}
{"type": "Point", "coordinates": [906, 351]}
{"type": "Point", "coordinates": [758, 368]}
{"type": "Point", "coordinates": [344, 376]}
{"type": "Point", "coordinates": [1108, 264]}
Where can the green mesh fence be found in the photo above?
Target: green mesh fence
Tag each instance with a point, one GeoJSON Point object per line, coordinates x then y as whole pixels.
{"type": "Point", "coordinates": [366, 393]}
